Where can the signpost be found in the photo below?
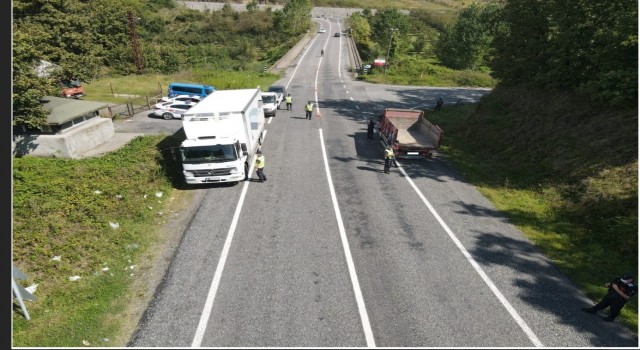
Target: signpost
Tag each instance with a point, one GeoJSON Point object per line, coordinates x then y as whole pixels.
{"type": "Point", "coordinates": [19, 292]}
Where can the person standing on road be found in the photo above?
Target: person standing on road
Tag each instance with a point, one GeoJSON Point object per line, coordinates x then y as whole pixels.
{"type": "Point", "coordinates": [308, 109]}
{"type": "Point", "coordinates": [260, 166]}
{"type": "Point", "coordinates": [289, 101]}
{"type": "Point", "coordinates": [388, 158]}
{"type": "Point", "coordinates": [370, 125]}
{"type": "Point", "coordinates": [439, 104]}
{"type": "Point", "coordinates": [621, 289]}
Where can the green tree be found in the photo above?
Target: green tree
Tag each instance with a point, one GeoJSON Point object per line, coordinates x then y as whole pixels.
{"type": "Point", "coordinates": [521, 49]}
{"type": "Point", "coordinates": [28, 88]}
{"type": "Point", "coordinates": [466, 43]}
{"type": "Point", "coordinates": [252, 6]}
{"type": "Point", "coordinates": [295, 17]}
{"type": "Point", "coordinates": [70, 43]}
{"type": "Point", "coordinates": [361, 31]}
{"type": "Point", "coordinates": [588, 46]}
{"type": "Point", "coordinates": [389, 29]}
{"type": "Point", "coordinates": [593, 47]}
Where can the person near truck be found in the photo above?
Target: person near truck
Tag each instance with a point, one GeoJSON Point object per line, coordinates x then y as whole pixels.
{"type": "Point", "coordinates": [308, 109]}
{"type": "Point", "coordinates": [289, 101]}
{"type": "Point", "coordinates": [370, 125]}
{"type": "Point", "coordinates": [260, 167]}
{"type": "Point", "coordinates": [621, 289]}
{"type": "Point", "coordinates": [388, 158]}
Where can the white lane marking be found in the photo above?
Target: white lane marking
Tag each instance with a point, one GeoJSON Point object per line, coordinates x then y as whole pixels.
{"type": "Point", "coordinates": [339, 51]}
{"type": "Point", "coordinates": [523, 325]}
{"type": "Point", "coordinates": [300, 60]}
{"type": "Point", "coordinates": [315, 86]}
{"type": "Point", "coordinates": [213, 289]}
{"type": "Point", "coordinates": [364, 317]}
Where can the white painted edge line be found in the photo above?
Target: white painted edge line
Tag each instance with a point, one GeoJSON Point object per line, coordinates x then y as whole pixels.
{"type": "Point", "coordinates": [364, 317]}
{"type": "Point", "coordinates": [339, 51]}
{"type": "Point", "coordinates": [300, 60]}
{"type": "Point", "coordinates": [523, 325]}
{"type": "Point", "coordinates": [208, 305]}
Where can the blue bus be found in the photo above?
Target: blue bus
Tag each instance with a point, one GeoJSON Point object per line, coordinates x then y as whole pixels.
{"type": "Point", "coordinates": [176, 89]}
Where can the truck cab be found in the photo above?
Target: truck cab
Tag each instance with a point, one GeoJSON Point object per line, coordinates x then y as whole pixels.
{"type": "Point", "coordinates": [223, 132]}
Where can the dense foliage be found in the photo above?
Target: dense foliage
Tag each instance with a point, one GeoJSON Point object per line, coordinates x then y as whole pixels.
{"type": "Point", "coordinates": [88, 38]}
{"type": "Point", "coordinates": [583, 45]}
{"type": "Point", "coordinates": [587, 46]}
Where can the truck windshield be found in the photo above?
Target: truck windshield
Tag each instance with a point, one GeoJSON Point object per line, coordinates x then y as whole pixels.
{"type": "Point", "coordinates": [269, 99]}
{"type": "Point", "coordinates": [208, 154]}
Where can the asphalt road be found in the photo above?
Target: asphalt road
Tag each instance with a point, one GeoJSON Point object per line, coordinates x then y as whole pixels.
{"type": "Point", "coordinates": [332, 252]}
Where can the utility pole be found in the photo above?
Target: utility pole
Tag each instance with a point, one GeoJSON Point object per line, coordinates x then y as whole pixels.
{"type": "Point", "coordinates": [386, 60]}
{"type": "Point", "coordinates": [134, 42]}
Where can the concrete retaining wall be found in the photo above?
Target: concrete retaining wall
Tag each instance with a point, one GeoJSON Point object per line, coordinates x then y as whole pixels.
{"type": "Point", "coordinates": [71, 143]}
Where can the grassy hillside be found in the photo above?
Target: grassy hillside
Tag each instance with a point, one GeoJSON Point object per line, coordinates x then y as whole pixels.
{"type": "Point", "coordinates": [565, 172]}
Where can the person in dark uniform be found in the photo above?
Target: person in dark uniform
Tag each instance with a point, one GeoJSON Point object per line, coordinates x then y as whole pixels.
{"type": "Point", "coordinates": [439, 104]}
{"type": "Point", "coordinates": [370, 125]}
{"type": "Point", "coordinates": [621, 289]}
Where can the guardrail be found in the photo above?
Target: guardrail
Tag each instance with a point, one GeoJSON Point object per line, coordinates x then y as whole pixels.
{"type": "Point", "coordinates": [354, 54]}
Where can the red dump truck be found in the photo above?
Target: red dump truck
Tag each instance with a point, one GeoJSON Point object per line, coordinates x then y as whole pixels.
{"type": "Point", "coordinates": [409, 133]}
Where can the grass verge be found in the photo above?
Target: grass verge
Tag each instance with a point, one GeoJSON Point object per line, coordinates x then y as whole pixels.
{"type": "Point", "coordinates": [97, 219]}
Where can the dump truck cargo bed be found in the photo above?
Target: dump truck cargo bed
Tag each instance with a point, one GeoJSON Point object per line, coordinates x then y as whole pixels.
{"type": "Point", "coordinates": [409, 133]}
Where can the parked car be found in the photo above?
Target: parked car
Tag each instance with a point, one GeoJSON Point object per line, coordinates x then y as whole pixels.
{"type": "Point", "coordinates": [322, 30]}
{"type": "Point", "coordinates": [179, 98]}
{"type": "Point", "coordinates": [71, 89]}
{"type": "Point", "coordinates": [173, 110]}
{"type": "Point", "coordinates": [279, 90]}
{"type": "Point", "coordinates": [270, 103]}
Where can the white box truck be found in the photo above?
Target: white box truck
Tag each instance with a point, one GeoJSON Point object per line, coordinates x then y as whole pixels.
{"type": "Point", "coordinates": [223, 132]}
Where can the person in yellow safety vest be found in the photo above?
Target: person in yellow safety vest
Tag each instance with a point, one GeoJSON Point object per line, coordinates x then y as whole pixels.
{"type": "Point", "coordinates": [388, 158]}
{"type": "Point", "coordinates": [309, 108]}
{"type": "Point", "coordinates": [289, 100]}
{"type": "Point", "coordinates": [260, 167]}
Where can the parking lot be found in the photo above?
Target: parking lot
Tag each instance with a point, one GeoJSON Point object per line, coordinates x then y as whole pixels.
{"type": "Point", "coordinates": [147, 124]}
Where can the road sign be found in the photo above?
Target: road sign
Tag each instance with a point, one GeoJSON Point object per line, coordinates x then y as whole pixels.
{"type": "Point", "coordinates": [19, 292]}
